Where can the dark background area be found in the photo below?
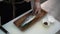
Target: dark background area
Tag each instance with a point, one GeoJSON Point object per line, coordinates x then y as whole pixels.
{"type": "Point", "coordinates": [8, 12]}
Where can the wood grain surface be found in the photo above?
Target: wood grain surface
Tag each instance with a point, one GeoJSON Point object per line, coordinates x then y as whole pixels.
{"type": "Point", "coordinates": [20, 20]}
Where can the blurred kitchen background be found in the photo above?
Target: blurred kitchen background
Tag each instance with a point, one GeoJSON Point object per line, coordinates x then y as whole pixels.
{"type": "Point", "coordinates": [10, 9]}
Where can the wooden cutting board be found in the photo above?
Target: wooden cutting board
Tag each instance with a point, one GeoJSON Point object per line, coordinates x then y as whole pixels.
{"type": "Point", "coordinates": [21, 20]}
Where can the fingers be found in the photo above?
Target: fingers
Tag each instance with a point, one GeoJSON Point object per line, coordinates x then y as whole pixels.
{"type": "Point", "coordinates": [37, 11]}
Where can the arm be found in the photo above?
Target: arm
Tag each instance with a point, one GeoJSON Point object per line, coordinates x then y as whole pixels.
{"type": "Point", "coordinates": [36, 6]}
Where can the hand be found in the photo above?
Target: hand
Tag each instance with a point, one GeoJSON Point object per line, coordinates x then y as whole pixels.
{"type": "Point", "coordinates": [37, 8]}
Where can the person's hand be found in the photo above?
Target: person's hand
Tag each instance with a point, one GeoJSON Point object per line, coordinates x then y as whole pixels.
{"type": "Point", "coordinates": [37, 8]}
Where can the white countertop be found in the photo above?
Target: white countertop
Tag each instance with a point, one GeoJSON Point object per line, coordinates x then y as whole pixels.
{"type": "Point", "coordinates": [37, 28]}
{"type": "Point", "coordinates": [1, 32]}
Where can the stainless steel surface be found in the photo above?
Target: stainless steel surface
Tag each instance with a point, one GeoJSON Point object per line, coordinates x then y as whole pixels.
{"type": "Point", "coordinates": [53, 8]}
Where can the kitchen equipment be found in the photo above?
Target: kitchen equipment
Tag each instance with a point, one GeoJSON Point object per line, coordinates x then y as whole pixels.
{"type": "Point", "coordinates": [28, 20]}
